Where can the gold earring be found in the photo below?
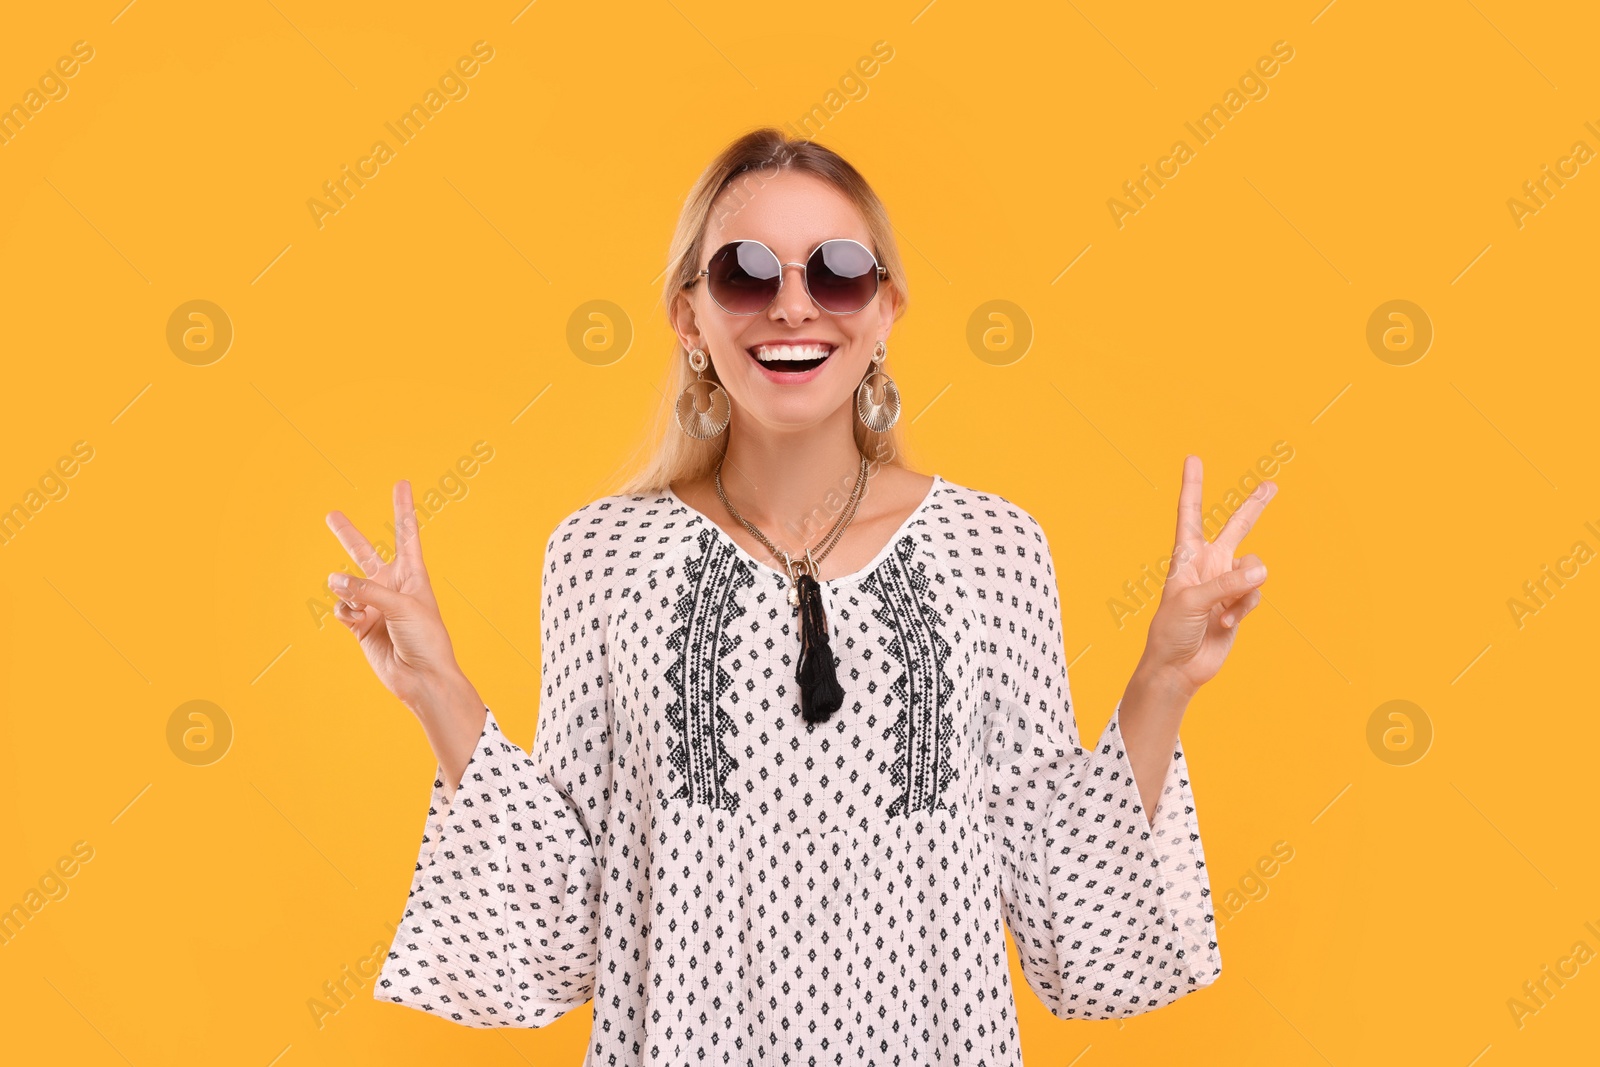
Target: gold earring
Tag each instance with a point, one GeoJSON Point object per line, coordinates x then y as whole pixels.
{"type": "Point", "coordinates": [705, 422]}
{"type": "Point", "coordinates": [878, 412]}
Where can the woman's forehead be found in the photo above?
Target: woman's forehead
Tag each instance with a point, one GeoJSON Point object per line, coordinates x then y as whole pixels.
{"type": "Point", "coordinates": [791, 214]}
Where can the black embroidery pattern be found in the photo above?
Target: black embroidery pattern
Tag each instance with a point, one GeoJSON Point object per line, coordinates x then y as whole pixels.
{"type": "Point", "coordinates": [701, 686]}
{"type": "Point", "coordinates": [922, 730]}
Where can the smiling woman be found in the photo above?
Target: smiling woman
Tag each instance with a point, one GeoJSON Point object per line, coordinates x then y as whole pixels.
{"type": "Point", "coordinates": [787, 794]}
{"type": "Point", "coordinates": [768, 213]}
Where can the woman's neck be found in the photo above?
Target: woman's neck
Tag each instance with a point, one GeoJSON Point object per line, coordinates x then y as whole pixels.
{"type": "Point", "coordinates": [792, 485]}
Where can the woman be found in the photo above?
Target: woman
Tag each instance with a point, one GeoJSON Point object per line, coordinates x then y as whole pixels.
{"type": "Point", "coordinates": [805, 740]}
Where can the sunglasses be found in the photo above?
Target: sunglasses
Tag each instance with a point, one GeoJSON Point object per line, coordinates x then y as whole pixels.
{"type": "Point", "coordinates": [744, 277]}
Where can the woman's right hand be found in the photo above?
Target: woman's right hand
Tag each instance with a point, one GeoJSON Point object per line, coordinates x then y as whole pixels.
{"type": "Point", "coordinates": [393, 613]}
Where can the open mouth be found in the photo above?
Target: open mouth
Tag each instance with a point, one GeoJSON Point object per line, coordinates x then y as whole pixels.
{"type": "Point", "coordinates": [791, 359]}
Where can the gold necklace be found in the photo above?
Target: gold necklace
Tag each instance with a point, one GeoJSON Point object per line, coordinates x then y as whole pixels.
{"type": "Point", "coordinates": [820, 692]}
{"type": "Point", "coordinates": [808, 562]}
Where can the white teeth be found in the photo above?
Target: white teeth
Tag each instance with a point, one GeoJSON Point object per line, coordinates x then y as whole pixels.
{"type": "Point", "coordinates": [771, 353]}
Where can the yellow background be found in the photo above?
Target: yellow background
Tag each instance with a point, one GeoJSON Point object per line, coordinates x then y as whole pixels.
{"type": "Point", "coordinates": [1228, 314]}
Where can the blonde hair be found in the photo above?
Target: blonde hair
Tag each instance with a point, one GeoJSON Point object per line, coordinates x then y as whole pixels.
{"type": "Point", "coordinates": [670, 455]}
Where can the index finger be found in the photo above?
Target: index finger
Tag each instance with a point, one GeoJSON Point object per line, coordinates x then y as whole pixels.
{"type": "Point", "coordinates": [406, 544]}
{"type": "Point", "coordinates": [359, 548]}
{"type": "Point", "coordinates": [1240, 522]}
{"type": "Point", "coordinates": [1191, 530]}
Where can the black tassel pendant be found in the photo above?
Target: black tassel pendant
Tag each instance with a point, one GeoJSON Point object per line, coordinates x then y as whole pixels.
{"type": "Point", "coordinates": [820, 692]}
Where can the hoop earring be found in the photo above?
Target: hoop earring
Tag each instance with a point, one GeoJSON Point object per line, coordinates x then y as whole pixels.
{"type": "Point", "coordinates": [703, 423]}
{"type": "Point", "coordinates": [878, 412]}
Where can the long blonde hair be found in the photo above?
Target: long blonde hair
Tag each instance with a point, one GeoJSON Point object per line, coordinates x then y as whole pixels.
{"type": "Point", "coordinates": [669, 454]}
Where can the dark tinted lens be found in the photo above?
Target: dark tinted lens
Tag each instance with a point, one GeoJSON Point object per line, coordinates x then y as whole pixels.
{"type": "Point", "coordinates": [842, 276]}
{"type": "Point", "coordinates": [744, 277]}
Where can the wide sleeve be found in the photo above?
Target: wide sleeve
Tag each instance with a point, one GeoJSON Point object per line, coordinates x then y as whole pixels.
{"type": "Point", "coordinates": [1111, 913]}
{"type": "Point", "coordinates": [502, 921]}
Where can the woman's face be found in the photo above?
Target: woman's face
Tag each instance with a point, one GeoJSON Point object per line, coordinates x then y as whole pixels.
{"type": "Point", "coordinates": [791, 213]}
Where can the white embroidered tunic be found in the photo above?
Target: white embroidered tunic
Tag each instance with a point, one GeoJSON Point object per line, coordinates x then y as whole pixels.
{"type": "Point", "coordinates": [732, 885]}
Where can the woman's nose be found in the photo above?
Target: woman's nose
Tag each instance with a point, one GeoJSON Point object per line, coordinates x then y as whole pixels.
{"type": "Point", "coordinates": [793, 302]}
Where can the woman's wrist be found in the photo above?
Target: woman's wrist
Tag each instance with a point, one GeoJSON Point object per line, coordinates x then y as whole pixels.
{"type": "Point", "coordinates": [445, 697]}
{"type": "Point", "coordinates": [1165, 684]}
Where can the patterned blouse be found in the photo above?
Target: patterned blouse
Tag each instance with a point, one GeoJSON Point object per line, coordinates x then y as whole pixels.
{"type": "Point", "coordinates": [730, 884]}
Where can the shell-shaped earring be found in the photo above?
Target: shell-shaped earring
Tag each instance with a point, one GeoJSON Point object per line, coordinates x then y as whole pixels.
{"type": "Point", "coordinates": [877, 397]}
{"type": "Point", "coordinates": [703, 408]}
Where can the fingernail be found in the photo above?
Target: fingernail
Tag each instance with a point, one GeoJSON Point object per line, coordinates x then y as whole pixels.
{"type": "Point", "coordinates": [1227, 620]}
{"type": "Point", "coordinates": [1256, 573]}
{"type": "Point", "coordinates": [340, 581]}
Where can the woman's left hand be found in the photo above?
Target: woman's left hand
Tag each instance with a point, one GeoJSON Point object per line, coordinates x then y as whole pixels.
{"type": "Point", "coordinates": [1207, 590]}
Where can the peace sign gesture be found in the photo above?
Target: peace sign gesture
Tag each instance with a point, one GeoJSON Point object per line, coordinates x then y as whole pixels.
{"type": "Point", "coordinates": [1207, 591]}
{"type": "Point", "coordinates": [392, 611]}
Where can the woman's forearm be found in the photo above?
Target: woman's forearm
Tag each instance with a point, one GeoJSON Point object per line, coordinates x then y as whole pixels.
{"type": "Point", "coordinates": [1152, 710]}
{"type": "Point", "coordinates": [452, 716]}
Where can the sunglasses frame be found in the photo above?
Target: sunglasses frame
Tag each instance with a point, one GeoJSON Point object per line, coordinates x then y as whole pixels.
{"type": "Point", "coordinates": [880, 272]}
